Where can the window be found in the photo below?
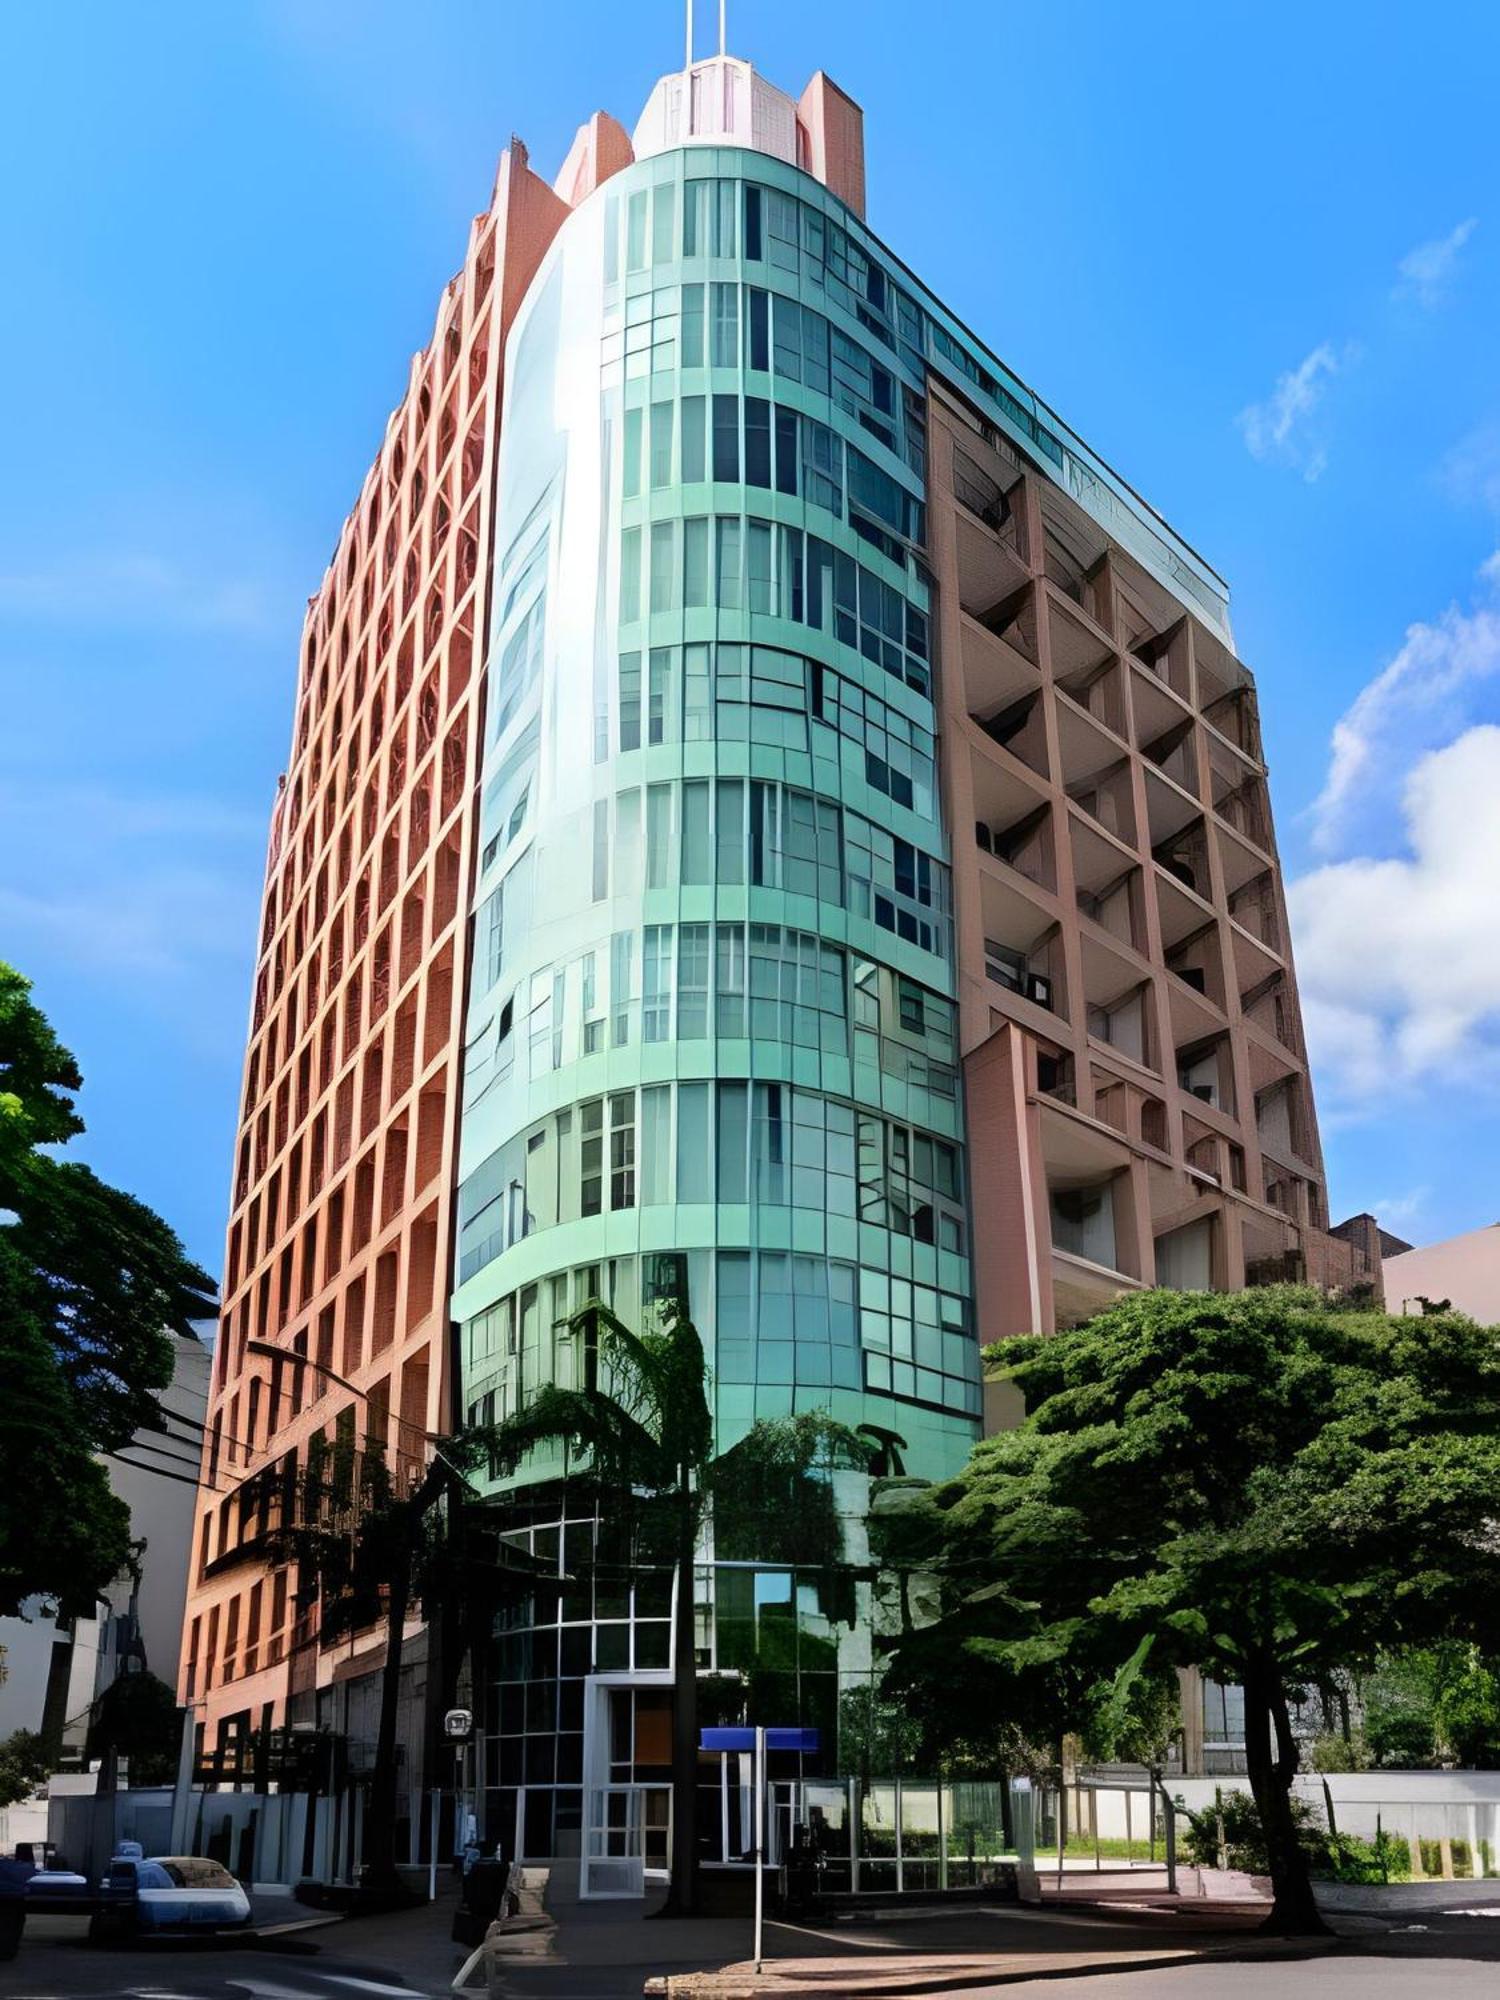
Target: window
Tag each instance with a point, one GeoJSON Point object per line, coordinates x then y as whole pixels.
{"type": "Point", "coordinates": [758, 329]}
{"type": "Point", "coordinates": [729, 831]}
{"type": "Point", "coordinates": [601, 850]}
{"type": "Point", "coordinates": [622, 1149]}
{"type": "Point", "coordinates": [621, 951]}
{"type": "Point", "coordinates": [692, 439]}
{"type": "Point", "coordinates": [695, 564]}
{"type": "Point", "coordinates": [663, 222]}
{"type": "Point", "coordinates": [729, 981]}
{"type": "Point", "coordinates": [663, 565]}
{"type": "Point", "coordinates": [727, 438]}
{"type": "Point", "coordinates": [630, 576]}
{"type": "Point", "coordinates": [593, 1023]}
{"type": "Point", "coordinates": [692, 982]}
{"type": "Point", "coordinates": [656, 984]}
{"type": "Point", "coordinates": [757, 441]}
{"type": "Point", "coordinates": [591, 1157]}
{"type": "Point", "coordinates": [658, 694]}
{"type": "Point", "coordinates": [692, 325]}
{"type": "Point", "coordinates": [630, 702]}
{"type": "Point", "coordinates": [493, 927]}
{"type": "Point", "coordinates": [631, 454]}
{"type": "Point", "coordinates": [697, 714]}
{"type": "Point", "coordinates": [635, 232]}
{"type": "Point", "coordinates": [733, 1115]}
{"type": "Point", "coordinates": [724, 329]}
{"type": "Point", "coordinates": [660, 871]}
{"type": "Point", "coordinates": [727, 569]}
{"type": "Point", "coordinates": [656, 1146]}
{"type": "Point", "coordinates": [697, 855]}
{"type": "Point", "coordinates": [695, 1182]}
{"type": "Point", "coordinates": [662, 420]}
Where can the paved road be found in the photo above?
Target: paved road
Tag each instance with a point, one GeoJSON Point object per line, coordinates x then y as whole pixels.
{"type": "Point", "coordinates": [1366, 1973]}
{"type": "Point", "coordinates": [55, 1964]}
{"type": "Point", "coordinates": [397, 1959]}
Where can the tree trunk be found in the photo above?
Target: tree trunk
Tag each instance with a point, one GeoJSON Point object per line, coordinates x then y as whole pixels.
{"type": "Point", "coordinates": [682, 1898]}
{"type": "Point", "coordinates": [379, 1872]}
{"type": "Point", "coordinates": [1271, 1763]}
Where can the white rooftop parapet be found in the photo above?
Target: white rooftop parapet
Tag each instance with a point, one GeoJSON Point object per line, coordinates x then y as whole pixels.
{"type": "Point", "coordinates": [718, 101]}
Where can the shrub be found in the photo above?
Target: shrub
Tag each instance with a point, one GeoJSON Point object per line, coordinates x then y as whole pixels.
{"type": "Point", "coordinates": [1232, 1826]}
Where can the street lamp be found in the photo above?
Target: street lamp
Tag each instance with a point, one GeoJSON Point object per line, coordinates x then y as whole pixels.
{"type": "Point", "coordinates": [293, 1359]}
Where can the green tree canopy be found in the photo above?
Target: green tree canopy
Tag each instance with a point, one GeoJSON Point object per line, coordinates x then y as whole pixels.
{"type": "Point", "coordinates": [25, 1762]}
{"type": "Point", "coordinates": [1260, 1484]}
{"type": "Point", "coordinates": [92, 1287]}
{"type": "Point", "coordinates": [136, 1718]}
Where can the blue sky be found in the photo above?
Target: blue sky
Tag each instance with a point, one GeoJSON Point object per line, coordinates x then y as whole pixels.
{"type": "Point", "coordinates": [1250, 251]}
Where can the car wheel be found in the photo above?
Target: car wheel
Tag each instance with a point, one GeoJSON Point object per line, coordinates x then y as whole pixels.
{"type": "Point", "coordinates": [112, 1926]}
{"type": "Point", "coordinates": [12, 1923]}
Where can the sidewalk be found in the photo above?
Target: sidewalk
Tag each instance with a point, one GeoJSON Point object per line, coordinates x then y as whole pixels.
{"type": "Point", "coordinates": [612, 1948]}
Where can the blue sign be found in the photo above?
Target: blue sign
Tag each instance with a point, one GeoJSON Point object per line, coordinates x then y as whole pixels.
{"type": "Point", "coordinates": [805, 1741]}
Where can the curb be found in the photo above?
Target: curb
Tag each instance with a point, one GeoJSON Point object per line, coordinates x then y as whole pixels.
{"type": "Point", "coordinates": [937, 1979]}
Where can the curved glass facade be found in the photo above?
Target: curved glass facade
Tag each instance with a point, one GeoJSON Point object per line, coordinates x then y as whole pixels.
{"type": "Point", "coordinates": [711, 1048]}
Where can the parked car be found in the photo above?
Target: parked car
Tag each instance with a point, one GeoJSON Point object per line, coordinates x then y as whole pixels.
{"type": "Point", "coordinates": [169, 1892]}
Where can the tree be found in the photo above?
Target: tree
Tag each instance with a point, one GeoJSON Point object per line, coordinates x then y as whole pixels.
{"type": "Point", "coordinates": [92, 1286]}
{"type": "Point", "coordinates": [26, 1761]}
{"type": "Point", "coordinates": [136, 1717]}
{"type": "Point", "coordinates": [1262, 1484]}
{"type": "Point", "coordinates": [62, 1530]}
{"type": "Point", "coordinates": [364, 1550]}
{"type": "Point", "coordinates": [644, 1428]}
{"type": "Point", "coordinates": [1434, 1704]}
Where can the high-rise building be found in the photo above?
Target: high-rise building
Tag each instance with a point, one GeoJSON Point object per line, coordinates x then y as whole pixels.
{"type": "Point", "coordinates": [875, 939]}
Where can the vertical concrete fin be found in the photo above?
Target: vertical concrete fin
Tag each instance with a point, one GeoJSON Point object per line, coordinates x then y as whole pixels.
{"type": "Point", "coordinates": [600, 149]}
{"type": "Point", "coordinates": [831, 140]}
{"type": "Point", "coordinates": [527, 217]}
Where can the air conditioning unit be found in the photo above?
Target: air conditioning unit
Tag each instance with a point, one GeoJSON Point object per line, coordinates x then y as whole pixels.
{"type": "Point", "coordinates": [1039, 989]}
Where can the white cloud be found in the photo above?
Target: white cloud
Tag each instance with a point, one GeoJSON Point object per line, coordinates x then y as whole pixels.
{"type": "Point", "coordinates": [1277, 429]}
{"type": "Point", "coordinates": [1396, 1211]}
{"type": "Point", "coordinates": [1470, 472]}
{"type": "Point", "coordinates": [134, 588]}
{"type": "Point", "coordinates": [1425, 272]}
{"type": "Point", "coordinates": [149, 897]}
{"type": "Point", "coordinates": [1418, 701]}
{"type": "Point", "coordinates": [1399, 959]}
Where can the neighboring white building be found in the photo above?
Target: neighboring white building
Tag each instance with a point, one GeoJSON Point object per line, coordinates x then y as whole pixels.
{"type": "Point", "coordinates": [1465, 1270]}
{"type": "Point", "coordinates": [56, 1666]}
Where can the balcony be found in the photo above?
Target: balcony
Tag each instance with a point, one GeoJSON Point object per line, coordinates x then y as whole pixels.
{"type": "Point", "coordinates": [992, 562]}
{"type": "Point", "coordinates": [1283, 1124]}
{"type": "Point", "coordinates": [999, 666]}
{"type": "Point", "coordinates": [1013, 820]}
{"type": "Point", "coordinates": [1123, 1024]}
{"type": "Point", "coordinates": [1239, 861]}
{"type": "Point", "coordinates": [1206, 1074]}
{"type": "Point", "coordinates": [1182, 856]}
{"type": "Point", "coordinates": [1020, 731]}
{"type": "Point", "coordinates": [1084, 1163]}
{"type": "Point", "coordinates": [1106, 878]}
{"type": "Point", "coordinates": [1022, 950]}
{"type": "Point", "coordinates": [1076, 645]}
{"type": "Point", "coordinates": [1220, 678]}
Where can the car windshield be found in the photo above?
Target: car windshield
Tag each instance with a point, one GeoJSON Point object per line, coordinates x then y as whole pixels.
{"type": "Point", "coordinates": [194, 1871]}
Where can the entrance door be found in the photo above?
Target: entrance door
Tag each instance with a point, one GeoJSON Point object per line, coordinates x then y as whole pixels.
{"type": "Point", "coordinates": [613, 1861]}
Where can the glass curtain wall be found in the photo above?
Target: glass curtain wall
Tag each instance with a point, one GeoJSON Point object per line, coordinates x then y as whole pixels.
{"type": "Point", "coordinates": [711, 1050]}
